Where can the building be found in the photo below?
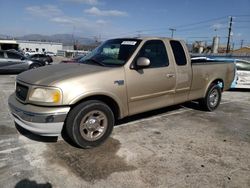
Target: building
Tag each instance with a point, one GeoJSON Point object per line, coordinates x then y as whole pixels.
{"type": "Point", "coordinates": [8, 44]}
{"type": "Point", "coordinates": [242, 51]}
{"type": "Point", "coordinates": [38, 46]}
{"type": "Point", "coordinates": [26, 46]}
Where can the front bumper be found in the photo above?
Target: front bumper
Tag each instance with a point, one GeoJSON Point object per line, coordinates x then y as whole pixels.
{"type": "Point", "coordinates": [45, 121]}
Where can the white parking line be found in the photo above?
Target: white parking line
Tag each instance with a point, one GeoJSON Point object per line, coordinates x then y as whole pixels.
{"type": "Point", "coordinates": [10, 150]}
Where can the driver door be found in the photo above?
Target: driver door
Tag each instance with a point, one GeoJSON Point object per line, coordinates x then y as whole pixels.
{"type": "Point", "coordinates": [151, 87]}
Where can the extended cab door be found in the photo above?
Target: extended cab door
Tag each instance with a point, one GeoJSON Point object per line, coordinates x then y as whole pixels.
{"type": "Point", "coordinates": [183, 70]}
{"type": "Point", "coordinates": [153, 86]}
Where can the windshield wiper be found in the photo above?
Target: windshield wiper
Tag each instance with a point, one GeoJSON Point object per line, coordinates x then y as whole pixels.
{"type": "Point", "coordinates": [95, 61]}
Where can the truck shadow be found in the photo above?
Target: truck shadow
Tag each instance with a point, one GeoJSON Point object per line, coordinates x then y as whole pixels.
{"type": "Point", "coordinates": [26, 183]}
{"type": "Point", "coordinates": [240, 90]}
{"type": "Point", "coordinates": [45, 139]}
{"type": "Point", "coordinates": [10, 73]}
{"type": "Point", "coordinates": [191, 105]}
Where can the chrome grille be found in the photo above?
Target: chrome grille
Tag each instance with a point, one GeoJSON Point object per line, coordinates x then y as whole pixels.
{"type": "Point", "coordinates": [21, 91]}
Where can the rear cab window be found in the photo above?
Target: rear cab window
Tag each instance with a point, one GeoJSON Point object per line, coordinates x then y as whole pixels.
{"type": "Point", "coordinates": [179, 53]}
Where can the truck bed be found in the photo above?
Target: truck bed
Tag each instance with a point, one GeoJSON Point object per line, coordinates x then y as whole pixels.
{"type": "Point", "coordinates": [205, 71]}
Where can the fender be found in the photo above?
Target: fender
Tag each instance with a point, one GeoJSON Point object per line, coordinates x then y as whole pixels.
{"type": "Point", "coordinates": [123, 108]}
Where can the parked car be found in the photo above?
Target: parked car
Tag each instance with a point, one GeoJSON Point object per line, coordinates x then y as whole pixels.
{"type": "Point", "coordinates": [242, 76]}
{"type": "Point", "coordinates": [42, 57]}
{"type": "Point", "coordinates": [121, 77]}
{"type": "Point", "coordinates": [242, 70]}
{"type": "Point", "coordinates": [76, 59]}
{"type": "Point", "coordinates": [29, 53]}
{"type": "Point", "coordinates": [12, 62]}
{"type": "Point", "coordinates": [50, 53]}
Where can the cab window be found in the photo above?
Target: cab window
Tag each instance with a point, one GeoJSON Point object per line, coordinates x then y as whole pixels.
{"type": "Point", "coordinates": [155, 51]}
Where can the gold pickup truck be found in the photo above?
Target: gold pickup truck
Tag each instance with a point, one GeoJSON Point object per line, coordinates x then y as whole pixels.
{"type": "Point", "coordinates": [119, 78]}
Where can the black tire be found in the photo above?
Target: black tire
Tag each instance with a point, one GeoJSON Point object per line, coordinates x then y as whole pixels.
{"type": "Point", "coordinates": [212, 98]}
{"type": "Point", "coordinates": [34, 66]}
{"type": "Point", "coordinates": [83, 122]}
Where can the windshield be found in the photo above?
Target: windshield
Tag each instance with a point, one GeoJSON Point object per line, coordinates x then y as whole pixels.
{"type": "Point", "coordinates": [113, 52]}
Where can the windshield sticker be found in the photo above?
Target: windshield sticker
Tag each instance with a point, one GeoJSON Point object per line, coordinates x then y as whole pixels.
{"type": "Point", "coordinates": [128, 42]}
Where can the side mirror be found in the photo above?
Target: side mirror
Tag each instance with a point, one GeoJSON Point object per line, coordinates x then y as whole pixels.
{"type": "Point", "coordinates": [142, 62]}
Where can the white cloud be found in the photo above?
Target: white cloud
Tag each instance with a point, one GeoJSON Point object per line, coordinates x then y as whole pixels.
{"type": "Point", "coordinates": [81, 24]}
{"type": "Point", "coordinates": [97, 12]}
{"type": "Point", "coordinates": [90, 2]}
{"type": "Point", "coordinates": [239, 34]}
{"type": "Point", "coordinates": [78, 22]}
{"type": "Point", "coordinates": [101, 22]}
{"type": "Point", "coordinates": [63, 20]}
{"type": "Point", "coordinates": [54, 14]}
{"type": "Point", "coordinates": [44, 11]}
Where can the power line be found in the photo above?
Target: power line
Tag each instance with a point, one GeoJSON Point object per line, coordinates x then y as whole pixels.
{"type": "Point", "coordinates": [243, 15]}
{"type": "Point", "coordinates": [200, 22]}
{"type": "Point", "coordinates": [245, 21]}
{"type": "Point", "coordinates": [179, 26]}
{"type": "Point", "coordinates": [185, 27]}
{"type": "Point", "coordinates": [243, 27]}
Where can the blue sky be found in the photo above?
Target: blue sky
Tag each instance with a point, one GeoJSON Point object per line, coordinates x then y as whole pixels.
{"type": "Point", "coordinates": [192, 19]}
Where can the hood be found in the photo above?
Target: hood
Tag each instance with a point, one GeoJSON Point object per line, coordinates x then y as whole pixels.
{"type": "Point", "coordinates": [50, 74]}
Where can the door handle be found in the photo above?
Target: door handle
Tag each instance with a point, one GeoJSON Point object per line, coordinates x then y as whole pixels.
{"type": "Point", "coordinates": [170, 75]}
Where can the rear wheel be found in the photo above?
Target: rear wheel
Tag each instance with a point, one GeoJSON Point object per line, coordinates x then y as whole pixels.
{"type": "Point", "coordinates": [90, 123]}
{"type": "Point", "coordinates": [212, 98]}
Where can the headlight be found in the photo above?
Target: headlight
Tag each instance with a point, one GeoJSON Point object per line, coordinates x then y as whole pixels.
{"type": "Point", "coordinates": [46, 95]}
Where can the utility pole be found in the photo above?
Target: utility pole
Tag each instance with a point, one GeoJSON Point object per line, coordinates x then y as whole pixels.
{"type": "Point", "coordinates": [241, 43]}
{"type": "Point", "coordinates": [172, 32]}
{"type": "Point", "coordinates": [229, 34]}
{"type": "Point", "coordinates": [139, 33]}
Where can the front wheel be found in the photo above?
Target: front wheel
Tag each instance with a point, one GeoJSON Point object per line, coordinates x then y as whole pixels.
{"type": "Point", "coordinates": [34, 66]}
{"type": "Point", "coordinates": [90, 123]}
{"type": "Point", "coordinates": [212, 98]}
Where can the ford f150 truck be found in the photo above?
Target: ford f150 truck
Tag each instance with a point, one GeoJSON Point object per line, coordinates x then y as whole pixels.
{"type": "Point", "coordinates": [119, 78]}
